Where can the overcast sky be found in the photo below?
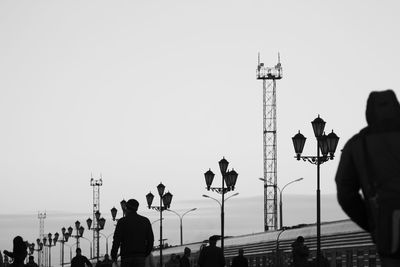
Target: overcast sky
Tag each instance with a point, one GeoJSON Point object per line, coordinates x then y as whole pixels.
{"type": "Point", "coordinates": [149, 91]}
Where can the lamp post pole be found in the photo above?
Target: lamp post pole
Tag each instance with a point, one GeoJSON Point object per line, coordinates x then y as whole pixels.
{"type": "Point", "coordinates": [106, 237]}
{"type": "Point", "coordinates": [52, 243]}
{"type": "Point", "coordinates": [180, 221]}
{"type": "Point", "coordinates": [326, 144]}
{"type": "Point", "coordinates": [100, 222]}
{"type": "Point", "coordinates": [65, 237]}
{"type": "Point", "coordinates": [164, 199]}
{"type": "Point", "coordinates": [229, 178]}
{"type": "Point", "coordinates": [40, 247]}
{"type": "Point", "coordinates": [79, 232]}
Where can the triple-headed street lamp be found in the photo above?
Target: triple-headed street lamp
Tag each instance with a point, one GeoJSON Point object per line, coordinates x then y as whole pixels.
{"type": "Point", "coordinates": [32, 249]}
{"type": "Point", "coordinates": [79, 232]}
{"type": "Point", "coordinates": [65, 237]}
{"type": "Point", "coordinates": [164, 199]}
{"type": "Point", "coordinates": [326, 145]}
{"type": "Point", "coordinates": [280, 197]}
{"type": "Point", "coordinates": [51, 243]}
{"type": "Point", "coordinates": [114, 211]}
{"type": "Point", "coordinates": [229, 178]}
{"type": "Point", "coordinates": [99, 225]}
{"type": "Point", "coordinates": [180, 220]}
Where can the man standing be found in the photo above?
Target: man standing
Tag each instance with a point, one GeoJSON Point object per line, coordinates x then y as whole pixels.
{"type": "Point", "coordinates": [212, 256]}
{"type": "Point", "coordinates": [370, 161]}
{"type": "Point", "coordinates": [240, 260]}
{"type": "Point", "coordinates": [134, 236]}
{"type": "Point", "coordinates": [300, 252]}
{"type": "Point", "coordinates": [79, 260]}
{"type": "Point", "coordinates": [185, 261]}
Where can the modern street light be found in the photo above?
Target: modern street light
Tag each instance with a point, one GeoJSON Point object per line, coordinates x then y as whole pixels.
{"type": "Point", "coordinates": [229, 178]}
{"type": "Point", "coordinates": [106, 237]}
{"type": "Point", "coordinates": [65, 237]}
{"type": "Point", "coordinates": [280, 198]}
{"type": "Point", "coordinates": [100, 222]}
{"type": "Point", "coordinates": [180, 220]}
{"type": "Point", "coordinates": [52, 243]}
{"type": "Point", "coordinates": [79, 232]}
{"type": "Point", "coordinates": [164, 199]}
{"type": "Point", "coordinates": [326, 144]}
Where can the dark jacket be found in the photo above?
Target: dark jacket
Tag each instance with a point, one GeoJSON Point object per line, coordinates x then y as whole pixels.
{"type": "Point", "coordinates": [382, 139]}
{"type": "Point", "coordinates": [240, 261]}
{"type": "Point", "coordinates": [211, 256]}
{"type": "Point", "coordinates": [300, 254]}
{"type": "Point", "coordinates": [134, 235]}
{"type": "Point", "coordinates": [80, 261]}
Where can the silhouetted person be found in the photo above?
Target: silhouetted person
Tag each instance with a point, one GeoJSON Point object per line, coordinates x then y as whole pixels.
{"type": "Point", "coordinates": [134, 235]}
{"type": "Point", "coordinates": [1, 260]}
{"type": "Point", "coordinates": [31, 262]}
{"type": "Point", "coordinates": [79, 260]}
{"type": "Point", "coordinates": [299, 253]}
{"type": "Point", "coordinates": [106, 262]}
{"type": "Point", "coordinates": [240, 260]}
{"type": "Point", "coordinates": [370, 161]}
{"type": "Point", "coordinates": [185, 260]}
{"type": "Point", "coordinates": [212, 256]}
{"type": "Point", "coordinates": [19, 252]}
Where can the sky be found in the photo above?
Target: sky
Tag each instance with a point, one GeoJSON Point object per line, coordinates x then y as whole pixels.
{"type": "Point", "coordinates": [143, 92]}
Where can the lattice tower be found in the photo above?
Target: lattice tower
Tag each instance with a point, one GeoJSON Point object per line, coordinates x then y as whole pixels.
{"type": "Point", "coordinates": [42, 260]}
{"type": "Point", "coordinates": [96, 207]}
{"type": "Point", "coordinates": [269, 75]}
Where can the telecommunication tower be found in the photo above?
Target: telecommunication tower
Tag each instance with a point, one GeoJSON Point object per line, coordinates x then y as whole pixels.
{"type": "Point", "coordinates": [96, 207]}
{"type": "Point", "coordinates": [41, 256]}
{"type": "Point", "coordinates": [269, 75]}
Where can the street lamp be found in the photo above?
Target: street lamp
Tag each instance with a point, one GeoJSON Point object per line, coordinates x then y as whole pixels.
{"type": "Point", "coordinates": [114, 211]}
{"type": "Point", "coordinates": [180, 220]}
{"type": "Point", "coordinates": [98, 226]}
{"type": "Point", "coordinates": [52, 243]}
{"type": "Point", "coordinates": [79, 232]}
{"type": "Point", "coordinates": [32, 249]}
{"type": "Point", "coordinates": [280, 198]}
{"type": "Point", "coordinates": [164, 199]}
{"type": "Point", "coordinates": [229, 178]}
{"type": "Point", "coordinates": [326, 144]}
{"type": "Point", "coordinates": [65, 237]}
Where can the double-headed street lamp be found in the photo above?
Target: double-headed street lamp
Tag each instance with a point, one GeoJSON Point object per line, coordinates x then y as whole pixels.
{"type": "Point", "coordinates": [229, 178]}
{"type": "Point", "coordinates": [180, 220]}
{"type": "Point", "coordinates": [114, 211]}
{"type": "Point", "coordinates": [51, 243]}
{"type": "Point", "coordinates": [326, 145]}
{"type": "Point", "coordinates": [79, 232]}
{"type": "Point", "coordinates": [99, 225]}
{"type": "Point", "coordinates": [65, 237]}
{"type": "Point", "coordinates": [164, 199]}
{"type": "Point", "coordinates": [281, 198]}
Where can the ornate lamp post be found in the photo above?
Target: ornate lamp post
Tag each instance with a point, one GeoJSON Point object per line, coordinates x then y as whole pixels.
{"type": "Point", "coordinates": [52, 243]}
{"type": "Point", "coordinates": [99, 226]}
{"type": "Point", "coordinates": [326, 145]}
{"type": "Point", "coordinates": [164, 199]}
{"type": "Point", "coordinates": [65, 237]}
{"type": "Point", "coordinates": [79, 232]}
{"type": "Point", "coordinates": [180, 220]}
{"type": "Point", "coordinates": [229, 178]}
{"type": "Point", "coordinates": [32, 248]}
{"type": "Point", "coordinates": [114, 211]}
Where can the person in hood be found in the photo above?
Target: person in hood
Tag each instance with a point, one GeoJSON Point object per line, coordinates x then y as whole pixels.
{"type": "Point", "coordinates": [371, 155]}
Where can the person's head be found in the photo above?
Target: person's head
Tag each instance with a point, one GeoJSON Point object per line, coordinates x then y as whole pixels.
{"type": "Point", "coordinates": [300, 239]}
{"type": "Point", "coordinates": [382, 108]}
{"type": "Point", "coordinates": [31, 259]}
{"type": "Point", "coordinates": [132, 205]}
{"type": "Point", "coordinates": [241, 252]}
{"type": "Point", "coordinates": [213, 240]}
{"type": "Point", "coordinates": [106, 257]}
{"type": "Point", "coordinates": [187, 251]}
{"type": "Point", "coordinates": [78, 251]}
